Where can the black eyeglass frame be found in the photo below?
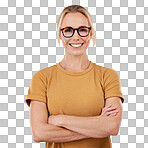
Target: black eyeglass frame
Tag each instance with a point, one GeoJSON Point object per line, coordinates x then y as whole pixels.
{"type": "Point", "coordinates": [74, 31]}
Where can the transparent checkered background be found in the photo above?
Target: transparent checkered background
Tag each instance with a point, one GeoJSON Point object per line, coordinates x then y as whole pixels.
{"type": "Point", "coordinates": [28, 43]}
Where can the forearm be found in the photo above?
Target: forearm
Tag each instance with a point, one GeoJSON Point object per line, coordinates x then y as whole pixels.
{"type": "Point", "coordinates": [52, 133]}
{"type": "Point", "coordinates": [95, 127]}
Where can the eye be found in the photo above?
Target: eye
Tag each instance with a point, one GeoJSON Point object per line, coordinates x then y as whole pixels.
{"type": "Point", "coordinates": [67, 30]}
{"type": "Point", "coordinates": [83, 29]}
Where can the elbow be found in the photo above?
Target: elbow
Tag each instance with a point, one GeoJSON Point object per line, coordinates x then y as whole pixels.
{"type": "Point", "coordinates": [115, 130]}
{"type": "Point", "coordinates": [36, 137]}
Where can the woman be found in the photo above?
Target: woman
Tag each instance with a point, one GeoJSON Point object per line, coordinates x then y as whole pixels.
{"type": "Point", "coordinates": [75, 103]}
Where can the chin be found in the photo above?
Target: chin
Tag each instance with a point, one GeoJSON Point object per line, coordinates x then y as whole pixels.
{"type": "Point", "coordinates": [77, 53]}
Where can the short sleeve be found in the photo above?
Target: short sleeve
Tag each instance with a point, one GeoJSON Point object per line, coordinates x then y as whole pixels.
{"type": "Point", "coordinates": [112, 84]}
{"type": "Point", "coordinates": [37, 89]}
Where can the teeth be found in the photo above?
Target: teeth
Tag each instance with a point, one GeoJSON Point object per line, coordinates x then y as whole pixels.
{"type": "Point", "coordinates": [74, 45]}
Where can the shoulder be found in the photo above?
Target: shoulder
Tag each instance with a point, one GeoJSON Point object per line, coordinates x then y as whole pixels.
{"type": "Point", "coordinates": [45, 72]}
{"type": "Point", "coordinates": [104, 71]}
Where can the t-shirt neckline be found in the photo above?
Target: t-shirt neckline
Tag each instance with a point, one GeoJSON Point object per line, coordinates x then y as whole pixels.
{"type": "Point", "coordinates": [75, 73]}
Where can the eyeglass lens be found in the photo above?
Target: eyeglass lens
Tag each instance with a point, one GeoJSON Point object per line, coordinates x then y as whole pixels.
{"type": "Point", "coordinates": [68, 32]}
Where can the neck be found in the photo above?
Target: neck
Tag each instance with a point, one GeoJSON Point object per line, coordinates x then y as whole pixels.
{"type": "Point", "coordinates": [76, 64]}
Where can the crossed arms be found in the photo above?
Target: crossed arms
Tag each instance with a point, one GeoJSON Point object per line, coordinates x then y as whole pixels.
{"type": "Point", "coordinates": [64, 128]}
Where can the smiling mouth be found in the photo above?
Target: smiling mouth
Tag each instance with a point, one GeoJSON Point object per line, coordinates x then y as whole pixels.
{"type": "Point", "coordinates": [76, 45]}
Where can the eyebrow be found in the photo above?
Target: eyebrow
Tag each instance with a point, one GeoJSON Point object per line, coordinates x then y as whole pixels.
{"type": "Point", "coordinates": [72, 27]}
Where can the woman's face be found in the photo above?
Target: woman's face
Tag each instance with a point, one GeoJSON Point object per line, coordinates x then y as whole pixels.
{"type": "Point", "coordinates": [75, 20]}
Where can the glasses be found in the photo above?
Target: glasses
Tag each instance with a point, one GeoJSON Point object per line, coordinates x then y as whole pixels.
{"type": "Point", "coordinates": [82, 31]}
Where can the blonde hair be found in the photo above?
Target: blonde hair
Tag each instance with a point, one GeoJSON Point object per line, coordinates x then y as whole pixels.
{"type": "Point", "coordinates": [76, 8]}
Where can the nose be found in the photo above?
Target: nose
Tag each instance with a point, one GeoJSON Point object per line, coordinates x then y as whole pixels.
{"type": "Point", "coordinates": [76, 35]}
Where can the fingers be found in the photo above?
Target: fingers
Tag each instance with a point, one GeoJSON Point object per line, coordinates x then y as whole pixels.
{"type": "Point", "coordinates": [109, 111]}
{"type": "Point", "coordinates": [111, 108]}
{"type": "Point", "coordinates": [114, 114]}
{"type": "Point", "coordinates": [107, 106]}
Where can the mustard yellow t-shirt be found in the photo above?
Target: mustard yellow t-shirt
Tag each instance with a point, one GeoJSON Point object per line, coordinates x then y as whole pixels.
{"type": "Point", "coordinates": [77, 94]}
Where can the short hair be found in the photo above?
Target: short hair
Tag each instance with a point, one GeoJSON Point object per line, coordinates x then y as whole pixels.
{"type": "Point", "coordinates": [72, 9]}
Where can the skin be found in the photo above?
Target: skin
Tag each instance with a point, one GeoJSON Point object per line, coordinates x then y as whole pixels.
{"type": "Point", "coordinates": [75, 60]}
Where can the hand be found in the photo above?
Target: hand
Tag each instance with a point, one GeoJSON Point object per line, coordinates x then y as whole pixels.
{"type": "Point", "coordinates": [54, 119]}
{"type": "Point", "coordinates": [109, 111]}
